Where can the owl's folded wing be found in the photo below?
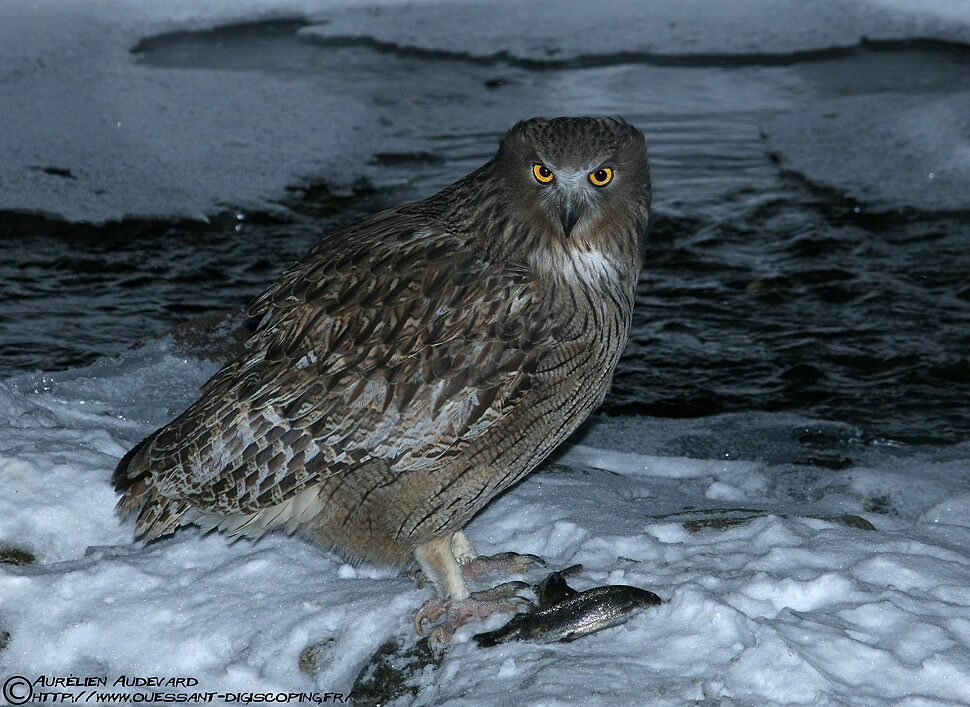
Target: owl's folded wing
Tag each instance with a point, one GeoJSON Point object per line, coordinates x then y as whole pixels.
{"type": "Point", "coordinates": [399, 344]}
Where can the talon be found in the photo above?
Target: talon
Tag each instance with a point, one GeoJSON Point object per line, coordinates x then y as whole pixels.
{"type": "Point", "coordinates": [429, 611]}
{"type": "Point", "coordinates": [502, 598]}
{"type": "Point", "coordinates": [441, 635]}
{"type": "Point", "coordinates": [515, 559]}
{"type": "Point", "coordinates": [417, 574]}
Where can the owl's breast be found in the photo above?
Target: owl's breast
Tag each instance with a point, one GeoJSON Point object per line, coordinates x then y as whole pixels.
{"type": "Point", "coordinates": [592, 305]}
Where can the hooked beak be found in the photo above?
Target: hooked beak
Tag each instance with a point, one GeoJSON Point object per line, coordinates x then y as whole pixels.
{"type": "Point", "coordinates": [569, 214]}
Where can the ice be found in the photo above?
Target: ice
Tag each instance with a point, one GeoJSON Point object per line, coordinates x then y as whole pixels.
{"type": "Point", "coordinates": [887, 150]}
{"type": "Point", "coordinates": [141, 142]}
{"type": "Point", "coordinates": [772, 593]}
{"type": "Point", "coordinates": [92, 134]}
{"type": "Point", "coordinates": [953, 10]}
{"type": "Point", "coordinates": [542, 33]}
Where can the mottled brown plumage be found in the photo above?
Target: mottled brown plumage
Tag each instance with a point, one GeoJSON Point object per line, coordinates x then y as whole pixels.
{"type": "Point", "coordinates": [411, 366]}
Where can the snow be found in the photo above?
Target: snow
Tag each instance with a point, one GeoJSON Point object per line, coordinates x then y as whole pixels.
{"type": "Point", "coordinates": [771, 595]}
{"type": "Point", "coordinates": [953, 10]}
{"type": "Point", "coordinates": [545, 33]}
{"type": "Point", "coordinates": [841, 143]}
{"type": "Point", "coordinates": [92, 133]}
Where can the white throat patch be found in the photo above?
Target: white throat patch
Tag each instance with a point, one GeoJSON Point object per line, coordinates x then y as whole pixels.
{"type": "Point", "coordinates": [577, 265]}
{"type": "Point", "coordinates": [591, 266]}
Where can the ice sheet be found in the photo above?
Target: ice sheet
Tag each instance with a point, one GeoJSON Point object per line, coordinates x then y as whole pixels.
{"type": "Point", "coordinates": [90, 134]}
{"type": "Point", "coordinates": [139, 142]}
{"type": "Point", "coordinates": [775, 591]}
{"type": "Point", "coordinates": [888, 151]}
{"type": "Point", "coordinates": [545, 33]}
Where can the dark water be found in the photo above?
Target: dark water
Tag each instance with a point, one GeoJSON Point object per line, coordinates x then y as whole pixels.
{"type": "Point", "coordinates": [760, 293]}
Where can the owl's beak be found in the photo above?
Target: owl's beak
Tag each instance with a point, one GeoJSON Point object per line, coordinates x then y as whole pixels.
{"type": "Point", "coordinates": [568, 214]}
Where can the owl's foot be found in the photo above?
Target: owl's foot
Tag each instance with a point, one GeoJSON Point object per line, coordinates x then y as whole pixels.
{"type": "Point", "coordinates": [508, 562]}
{"type": "Point", "coordinates": [478, 604]}
{"type": "Point", "coordinates": [471, 567]}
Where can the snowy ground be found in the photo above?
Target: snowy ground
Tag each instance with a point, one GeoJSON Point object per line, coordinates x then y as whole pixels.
{"type": "Point", "coordinates": [775, 590]}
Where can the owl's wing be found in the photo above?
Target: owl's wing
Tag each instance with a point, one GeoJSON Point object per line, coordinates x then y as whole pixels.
{"type": "Point", "coordinates": [392, 340]}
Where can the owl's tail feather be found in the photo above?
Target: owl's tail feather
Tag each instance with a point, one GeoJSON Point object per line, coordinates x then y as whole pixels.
{"type": "Point", "coordinates": [133, 466]}
{"type": "Point", "coordinates": [157, 514]}
{"type": "Point", "coordinates": [132, 477]}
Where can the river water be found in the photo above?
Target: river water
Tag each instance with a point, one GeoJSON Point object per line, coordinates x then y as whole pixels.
{"type": "Point", "coordinates": [762, 291]}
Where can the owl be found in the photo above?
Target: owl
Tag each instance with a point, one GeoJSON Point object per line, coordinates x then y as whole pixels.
{"type": "Point", "coordinates": [415, 364]}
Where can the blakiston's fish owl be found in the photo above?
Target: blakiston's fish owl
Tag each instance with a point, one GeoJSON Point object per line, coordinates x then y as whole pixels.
{"type": "Point", "coordinates": [415, 364]}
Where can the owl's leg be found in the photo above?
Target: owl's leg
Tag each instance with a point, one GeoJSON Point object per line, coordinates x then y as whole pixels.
{"type": "Point", "coordinates": [454, 601]}
{"type": "Point", "coordinates": [438, 563]}
{"type": "Point", "coordinates": [462, 548]}
{"type": "Point", "coordinates": [472, 564]}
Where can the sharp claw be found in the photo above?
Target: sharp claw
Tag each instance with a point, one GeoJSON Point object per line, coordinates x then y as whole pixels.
{"type": "Point", "coordinates": [441, 636]}
{"type": "Point", "coordinates": [417, 574]}
{"type": "Point", "coordinates": [430, 611]}
{"type": "Point", "coordinates": [518, 558]}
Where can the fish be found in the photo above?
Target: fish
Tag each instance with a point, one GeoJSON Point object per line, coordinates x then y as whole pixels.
{"type": "Point", "coordinates": [563, 614]}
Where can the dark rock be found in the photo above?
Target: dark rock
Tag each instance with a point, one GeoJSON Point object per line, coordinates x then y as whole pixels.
{"type": "Point", "coordinates": [312, 657]}
{"type": "Point", "coordinates": [16, 556]}
{"type": "Point", "coordinates": [390, 672]}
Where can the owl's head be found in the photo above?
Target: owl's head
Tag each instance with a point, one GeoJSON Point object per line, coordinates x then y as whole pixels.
{"type": "Point", "coordinates": [578, 179]}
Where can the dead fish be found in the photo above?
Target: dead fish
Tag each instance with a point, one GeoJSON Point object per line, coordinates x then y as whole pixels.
{"type": "Point", "coordinates": [572, 614]}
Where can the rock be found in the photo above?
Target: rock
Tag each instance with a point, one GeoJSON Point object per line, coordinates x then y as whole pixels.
{"type": "Point", "coordinates": [391, 671]}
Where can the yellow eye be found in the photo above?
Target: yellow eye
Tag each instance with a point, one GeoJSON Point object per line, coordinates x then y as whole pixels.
{"type": "Point", "coordinates": [601, 177]}
{"type": "Point", "coordinates": [542, 173]}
